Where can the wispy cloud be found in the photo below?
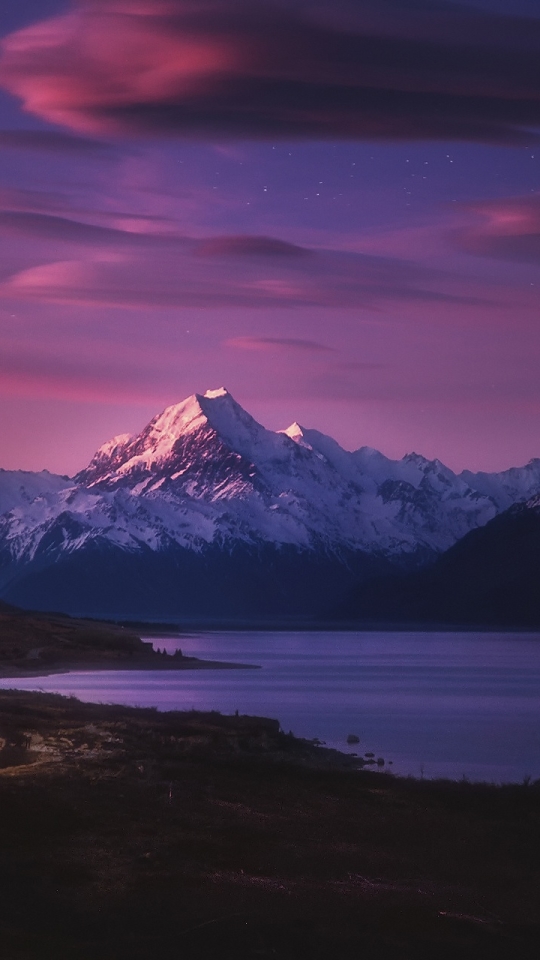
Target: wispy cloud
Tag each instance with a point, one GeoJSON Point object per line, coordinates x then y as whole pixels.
{"type": "Point", "coordinates": [506, 229]}
{"type": "Point", "coordinates": [46, 226]}
{"type": "Point", "coordinates": [247, 246]}
{"type": "Point", "coordinates": [165, 273]}
{"type": "Point", "coordinates": [237, 69]}
{"type": "Point", "coordinates": [271, 344]}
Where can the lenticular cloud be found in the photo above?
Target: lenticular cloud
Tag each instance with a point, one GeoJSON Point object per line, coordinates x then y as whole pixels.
{"type": "Point", "coordinates": [268, 70]}
{"type": "Point", "coordinates": [509, 229]}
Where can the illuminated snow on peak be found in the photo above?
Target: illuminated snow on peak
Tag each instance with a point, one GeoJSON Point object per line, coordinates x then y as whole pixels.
{"type": "Point", "coordinates": [212, 394]}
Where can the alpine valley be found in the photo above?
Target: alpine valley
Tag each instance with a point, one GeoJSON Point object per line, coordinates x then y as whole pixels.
{"type": "Point", "coordinates": [207, 515]}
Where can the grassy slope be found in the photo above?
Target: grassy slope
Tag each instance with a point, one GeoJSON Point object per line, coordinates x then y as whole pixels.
{"type": "Point", "coordinates": [142, 835]}
{"type": "Point", "coordinates": [32, 642]}
{"type": "Point", "coordinates": [57, 636]}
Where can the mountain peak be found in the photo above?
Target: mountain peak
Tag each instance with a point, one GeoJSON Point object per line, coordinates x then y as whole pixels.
{"type": "Point", "coordinates": [216, 408]}
{"type": "Point", "coordinates": [184, 416]}
{"type": "Point", "coordinates": [304, 437]}
{"type": "Point", "coordinates": [213, 394]}
{"type": "Point", "coordinates": [161, 445]}
{"type": "Point", "coordinates": [295, 431]}
{"type": "Point", "coordinates": [414, 458]}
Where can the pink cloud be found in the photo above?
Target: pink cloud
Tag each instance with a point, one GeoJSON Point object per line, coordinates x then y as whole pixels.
{"type": "Point", "coordinates": [99, 54]}
{"type": "Point", "coordinates": [68, 363]}
{"type": "Point", "coordinates": [25, 378]}
{"type": "Point", "coordinates": [509, 229]}
{"type": "Point", "coordinates": [237, 69]}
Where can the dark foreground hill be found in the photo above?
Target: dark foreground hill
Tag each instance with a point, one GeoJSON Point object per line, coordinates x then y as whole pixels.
{"type": "Point", "coordinates": [491, 577]}
{"type": "Point", "coordinates": [129, 835]}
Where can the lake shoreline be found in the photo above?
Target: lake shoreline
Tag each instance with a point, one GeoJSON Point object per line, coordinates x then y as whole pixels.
{"type": "Point", "coordinates": [82, 666]}
{"type": "Point", "coordinates": [432, 706]}
{"type": "Point", "coordinates": [37, 644]}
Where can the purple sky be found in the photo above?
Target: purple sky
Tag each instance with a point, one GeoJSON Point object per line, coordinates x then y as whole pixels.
{"type": "Point", "coordinates": [332, 209]}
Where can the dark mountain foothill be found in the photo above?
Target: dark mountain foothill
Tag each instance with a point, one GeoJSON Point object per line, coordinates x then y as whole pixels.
{"type": "Point", "coordinates": [241, 583]}
{"type": "Point", "coordinates": [491, 577]}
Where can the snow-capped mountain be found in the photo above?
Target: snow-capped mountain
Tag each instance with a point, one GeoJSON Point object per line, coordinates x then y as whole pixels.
{"type": "Point", "coordinates": [285, 517]}
{"type": "Point", "coordinates": [510, 486]}
{"type": "Point", "coordinates": [296, 486]}
{"type": "Point", "coordinates": [18, 488]}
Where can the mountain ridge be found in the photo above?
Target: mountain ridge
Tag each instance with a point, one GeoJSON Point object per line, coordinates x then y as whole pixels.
{"type": "Point", "coordinates": [204, 480]}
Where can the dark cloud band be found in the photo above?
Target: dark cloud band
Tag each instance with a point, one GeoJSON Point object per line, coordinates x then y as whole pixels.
{"type": "Point", "coordinates": [51, 141]}
{"type": "Point", "coordinates": [270, 344]}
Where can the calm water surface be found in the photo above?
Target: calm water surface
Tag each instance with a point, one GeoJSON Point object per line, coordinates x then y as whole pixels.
{"type": "Point", "coordinates": [436, 704]}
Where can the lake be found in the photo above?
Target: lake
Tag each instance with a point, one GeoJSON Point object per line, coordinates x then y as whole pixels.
{"type": "Point", "coordinates": [435, 704]}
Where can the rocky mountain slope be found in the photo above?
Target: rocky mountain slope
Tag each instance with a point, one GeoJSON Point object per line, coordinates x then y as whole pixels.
{"type": "Point", "coordinates": [206, 513]}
